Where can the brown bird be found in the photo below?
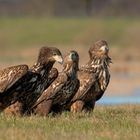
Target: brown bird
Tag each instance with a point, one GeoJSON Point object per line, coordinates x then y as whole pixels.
{"type": "Point", "coordinates": [62, 89]}
{"type": "Point", "coordinates": [20, 86]}
{"type": "Point", "coordinates": [94, 78]}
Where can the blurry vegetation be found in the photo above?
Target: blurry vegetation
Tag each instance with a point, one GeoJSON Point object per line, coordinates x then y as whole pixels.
{"type": "Point", "coordinates": [30, 32]}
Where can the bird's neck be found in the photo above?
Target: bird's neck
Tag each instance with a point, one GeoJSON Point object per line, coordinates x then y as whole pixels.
{"type": "Point", "coordinates": [71, 71]}
{"type": "Point", "coordinates": [95, 64]}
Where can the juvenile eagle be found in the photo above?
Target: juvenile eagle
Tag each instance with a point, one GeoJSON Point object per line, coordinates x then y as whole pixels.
{"type": "Point", "coordinates": [94, 78]}
{"type": "Point", "coordinates": [20, 86]}
{"type": "Point", "coordinates": [62, 89]}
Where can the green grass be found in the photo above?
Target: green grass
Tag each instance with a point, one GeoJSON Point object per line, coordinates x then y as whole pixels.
{"type": "Point", "coordinates": [105, 123]}
{"type": "Point", "coordinates": [23, 32]}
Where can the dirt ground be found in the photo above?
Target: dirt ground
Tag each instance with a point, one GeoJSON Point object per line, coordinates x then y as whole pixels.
{"type": "Point", "coordinates": [125, 70]}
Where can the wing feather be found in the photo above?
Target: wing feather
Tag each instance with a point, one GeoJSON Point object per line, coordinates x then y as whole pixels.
{"type": "Point", "coordinates": [86, 82]}
{"type": "Point", "coordinates": [53, 74]}
{"type": "Point", "coordinates": [53, 89]}
{"type": "Point", "coordinates": [11, 75]}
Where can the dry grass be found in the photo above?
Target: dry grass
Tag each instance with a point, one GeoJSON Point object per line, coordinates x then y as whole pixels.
{"type": "Point", "coordinates": [105, 123]}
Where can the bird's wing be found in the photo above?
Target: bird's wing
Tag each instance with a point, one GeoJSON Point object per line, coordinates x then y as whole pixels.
{"type": "Point", "coordinates": [100, 94]}
{"type": "Point", "coordinates": [11, 75]}
{"type": "Point", "coordinates": [53, 89]}
{"type": "Point", "coordinates": [53, 74]}
{"type": "Point", "coordinates": [87, 80]}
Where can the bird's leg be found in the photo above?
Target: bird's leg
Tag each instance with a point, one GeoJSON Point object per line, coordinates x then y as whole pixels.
{"type": "Point", "coordinates": [2, 106]}
{"type": "Point", "coordinates": [77, 106]}
{"type": "Point", "coordinates": [89, 106]}
{"type": "Point", "coordinates": [14, 109]}
{"type": "Point", "coordinates": [43, 108]}
{"type": "Point", "coordinates": [56, 110]}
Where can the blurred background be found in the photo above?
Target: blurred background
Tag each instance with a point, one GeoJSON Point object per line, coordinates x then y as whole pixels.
{"type": "Point", "coordinates": [27, 25]}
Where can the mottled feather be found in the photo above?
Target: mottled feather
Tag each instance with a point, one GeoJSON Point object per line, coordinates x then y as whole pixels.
{"type": "Point", "coordinates": [52, 91]}
{"type": "Point", "coordinates": [86, 82]}
{"type": "Point", "coordinates": [11, 75]}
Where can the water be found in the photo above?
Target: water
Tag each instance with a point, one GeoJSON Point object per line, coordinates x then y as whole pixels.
{"type": "Point", "coordinates": [134, 98]}
{"type": "Point", "coordinates": [114, 100]}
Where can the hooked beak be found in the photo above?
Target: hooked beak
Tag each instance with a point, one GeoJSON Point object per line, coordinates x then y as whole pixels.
{"type": "Point", "coordinates": [104, 49]}
{"type": "Point", "coordinates": [58, 58]}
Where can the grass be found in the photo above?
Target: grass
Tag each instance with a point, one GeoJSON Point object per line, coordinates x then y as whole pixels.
{"type": "Point", "coordinates": [23, 32]}
{"type": "Point", "coordinates": [105, 123]}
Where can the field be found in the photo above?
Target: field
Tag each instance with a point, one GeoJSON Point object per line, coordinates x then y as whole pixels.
{"type": "Point", "coordinates": [20, 40]}
{"type": "Point", "coordinates": [26, 32]}
{"type": "Point", "coordinates": [105, 123]}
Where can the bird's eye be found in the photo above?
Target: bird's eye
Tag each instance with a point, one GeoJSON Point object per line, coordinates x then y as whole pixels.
{"type": "Point", "coordinates": [54, 54]}
{"type": "Point", "coordinates": [107, 48]}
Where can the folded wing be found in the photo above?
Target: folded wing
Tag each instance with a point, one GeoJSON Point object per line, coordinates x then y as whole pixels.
{"type": "Point", "coordinates": [53, 89]}
{"type": "Point", "coordinates": [11, 75]}
{"type": "Point", "coordinates": [87, 80]}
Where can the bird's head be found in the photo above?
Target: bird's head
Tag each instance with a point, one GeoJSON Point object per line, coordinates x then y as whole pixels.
{"type": "Point", "coordinates": [99, 48]}
{"type": "Point", "coordinates": [71, 60]}
{"type": "Point", "coordinates": [50, 54]}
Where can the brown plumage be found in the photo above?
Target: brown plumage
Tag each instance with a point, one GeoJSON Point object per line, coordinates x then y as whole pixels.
{"type": "Point", "coordinates": [10, 75]}
{"type": "Point", "coordinates": [62, 89]}
{"type": "Point", "coordinates": [8, 78]}
{"type": "Point", "coordinates": [94, 78]}
{"type": "Point", "coordinates": [23, 86]}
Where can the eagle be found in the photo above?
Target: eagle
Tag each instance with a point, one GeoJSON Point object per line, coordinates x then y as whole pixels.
{"type": "Point", "coordinates": [62, 89]}
{"type": "Point", "coordinates": [20, 86]}
{"type": "Point", "coordinates": [94, 78]}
